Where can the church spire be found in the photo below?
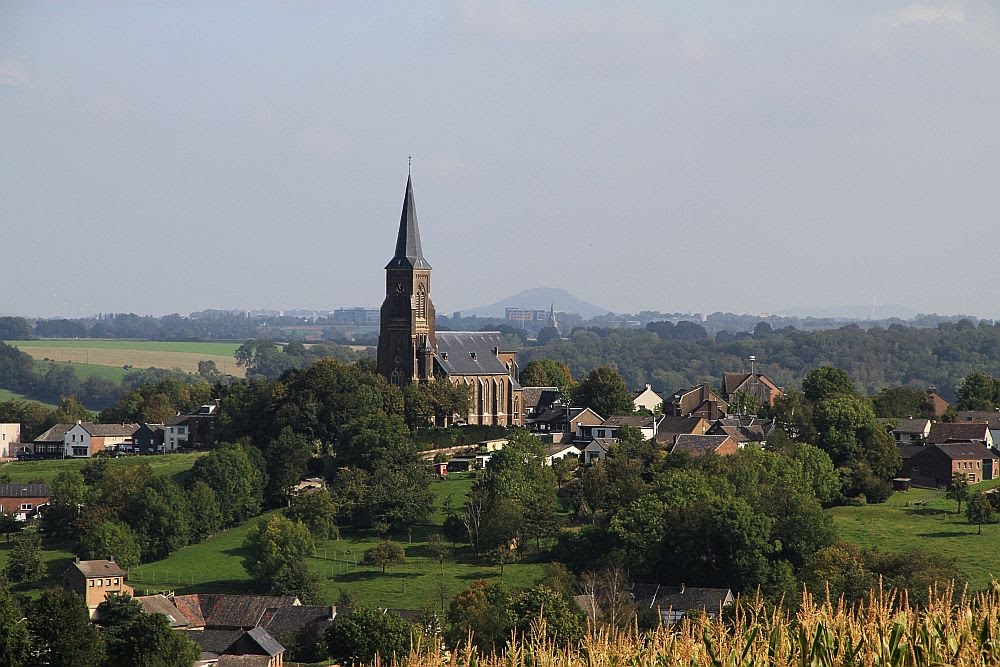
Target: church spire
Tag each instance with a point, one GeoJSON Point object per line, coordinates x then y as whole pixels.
{"type": "Point", "coordinates": [551, 323]}
{"type": "Point", "coordinates": [408, 252]}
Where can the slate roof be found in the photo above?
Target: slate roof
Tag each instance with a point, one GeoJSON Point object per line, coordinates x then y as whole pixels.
{"type": "Point", "coordinates": [673, 425]}
{"type": "Point", "coordinates": [110, 430]}
{"type": "Point", "coordinates": [176, 421]}
{"type": "Point", "coordinates": [552, 450]}
{"type": "Point", "coordinates": [603, 443]}
{"type": "Point", "coordinates": [906, 451]}
{"type": "Point", "coordinates": [55, 434]}
{"type": "Point", "coordinates": [991, 417]}
{"type": "Point", "coordinates": [238, 611]}
{"type": "Point", "coordinates": [98, 568]}
{"type": "Point", "coordinates": [681, 598]}
{"type": "Point", "coordinates": [964, 451]}
{"type": "Point", "coordinates": [739, 433]}
{"type": "Point", "coordinates": [732, 381]}
{"type": "Point", "coordinates": [265, 641]}
{"type": "Point", "coordinates": [944, 431]}
{"type": "Point", "coordinates": [213, 641]}
{"type": "Point", "coordinates": [409, 254]}
{"type": "Point", "coordinates": [460, 346]}
{"type": "Point", "coordinates": [24, 490]}
{"type": "Point", "coordinates": [281, 621]}
{"type": "Point", "coordinates": [532, 397]}
{"type": "Point", "coordinates": [699, 444]}
{"type": "Point", "coordinates": [908, 426]}
{"type": "Point", "coordinates": [635, 421]}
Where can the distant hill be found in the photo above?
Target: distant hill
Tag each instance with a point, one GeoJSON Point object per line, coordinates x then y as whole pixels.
{"type": "Point", "coordinates": [850, 312]}
{"type": "Point", "coordinates": [540, 298]}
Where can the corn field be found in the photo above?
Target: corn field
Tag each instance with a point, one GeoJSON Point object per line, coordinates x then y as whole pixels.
{"type": "Point", "coordinates": [883, 632]}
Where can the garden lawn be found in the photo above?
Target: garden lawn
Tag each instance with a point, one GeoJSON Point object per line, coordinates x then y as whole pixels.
{"type": "Point", "coordinates": [925, 519]}
{"type": "Point", "coordinates": [173, 465]}
{"type": "Point", "coordinates": [215, 565]}
{"type": "Point", "coordinates": [134, 353]}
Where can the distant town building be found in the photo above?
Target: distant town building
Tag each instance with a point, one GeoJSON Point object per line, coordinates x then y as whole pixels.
{"type": "Point", "coordinates": [522, 316]}
{"type": "Point", "coordinates": [10, 438]}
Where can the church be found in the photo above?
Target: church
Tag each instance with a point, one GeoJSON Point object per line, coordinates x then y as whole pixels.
{"type": "Point", "coordinates": [410, 349]}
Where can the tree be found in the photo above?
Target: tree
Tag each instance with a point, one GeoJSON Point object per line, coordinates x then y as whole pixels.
{"type": "Point", "coordinates": [437, 402]}
{"type": "Point", "coordinates": [959, 489]}
{"type": "Point", "coordinates": [439, 549]}
{"type": "Point", "coordinates": [110, 540]}
{"type": "Point", "coordinates": [604, 392]}
{"type": "Point", "coordinates": [317, 510]}
{"type": "Point", "coordinates": [547, 373]}
{"type": "Point", "coordinates": [368, 633]}
{"type": "Point", "coordinates": [136, 639]}
{"type": "Point", "coordinates": [9, 524]}
{"type": "Point", "coordinates": [480, 613]}
{"type": "Point", "coordinates": [230, 473]}
{"type": "Point", "coordinates": [978, 391]}
{"type": "Point", "coordinates": [540, 606]}
{"type": "Point", "coordinates": [67, 494]}
{"type": "Point", "coordinates": [978, 510]}
{"type": "Point", "coordinates": [25, 564]}
{"type": "Point", "coordinates": [454, 529]}
{"type": "Point", "coordinates": [61, 632]}
{"type": "Point", "coordinates": [287, 460]}
{"type": "Point", "coordinates": [902, 402]}
{"type": "Point", "coordinates": [384, 554]}
{"type": "Point", "coordinates": [827, 382]}
{"type": "Point", "coordinates": [276, 553]}
{"type": "Point", "coordinates": [205, 513]}
{"type": "Point", "coordinates": [15, 644]}
{"type": "Point", "coordinates": [160, 518]}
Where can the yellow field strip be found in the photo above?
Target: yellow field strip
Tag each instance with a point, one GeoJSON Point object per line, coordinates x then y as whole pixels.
{"type": "Point", "coordinates": [185, 361]}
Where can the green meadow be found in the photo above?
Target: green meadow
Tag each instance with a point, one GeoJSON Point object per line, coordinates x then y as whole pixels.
{"type": "Point", "coordinates": [215, 565]}
{"type": "Point", "coordinates": [172, 465]}
{"type": "Point", "coordinates": [925, 519]}
{"type": "Point", "coordinates": [213, 348]}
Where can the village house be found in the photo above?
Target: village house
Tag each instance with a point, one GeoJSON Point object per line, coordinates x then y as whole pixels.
{"type": "Point", "coordinates": [10, 440]}
{"type": "Point", "coordinates": [990, 417]}
{"type": "Point", "coordinates": [563, 423]}
{"type": "Point", "coordinates": [94, 581]}
{"type": "Point", "coordinates": [52, 443]}
{"type": "Point", "coordinates": [84, 439]}
{"type": "Point", "coordinates": [744, 430]}
{"type": "Point", "coordinates": [757, 385]}
{"type": "Point", "coordinates": [23, 500]}
{"type": "Point", "coordinates": [195, 430]}
{"type": "Point", "coordinates": [646, 424]}
{"type": "Point", "coordinates": [908, 431]}
{"type": "Point", "coordinates": [672, 603]}
{"type": "Point", "coordinates": [937, 404]}
{"type": "Point", "coordinates": [538, 400]}
{"type": "Point", "coordinates": [945, 432]}
{"type": "Point", "coordinates": [560, 451]}
{"type": "Point", "coordinates": [597, 450]}
{"type": "Point", "coordinates": [698, 400]}
{"type": "Point", "coordinates": [148, 439]}
{"type": "Point", "coordinates": [647, 399]}
{"type": "Point", "coordinates": [934, 465]}
{"type": "Point", "coordinates": [672, 426]}
{"type": "Point", "coordinates": [699, 445]}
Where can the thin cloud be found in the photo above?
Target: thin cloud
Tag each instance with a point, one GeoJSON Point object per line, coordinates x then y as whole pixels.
{"type": "Point", "coordinates": [916, 14]}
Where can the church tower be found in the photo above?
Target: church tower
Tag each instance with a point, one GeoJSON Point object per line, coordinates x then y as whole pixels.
{"type": "Point", "coordinates": [407, 341]}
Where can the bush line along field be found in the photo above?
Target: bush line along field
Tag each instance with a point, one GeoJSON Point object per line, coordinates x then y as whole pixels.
{"type": "Point", "coordinates": [136, 353]}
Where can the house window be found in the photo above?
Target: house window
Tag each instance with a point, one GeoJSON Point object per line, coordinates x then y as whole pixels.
{"type": "Point", "coordinates": [116, 581]}
{"type": "Point", "coordinates": [107, 582]}
{"type": "Point", "coordinates": [91, 583]}
{"type": "Point", "coordinates": [27, 507]}
{"type": "Point", "coordinates": [100, 582]}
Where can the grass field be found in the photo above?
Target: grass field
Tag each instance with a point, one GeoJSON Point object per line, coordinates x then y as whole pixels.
{"type": "Point", "coordinates": [215, 565]}
{"type": "Point", "coordinates": [136, 353]}
{"type": "Point", "coordinates": [57, 557]}
{"type": "Point", "coordinates": [45, 471]}
{"type": "Point", "coordinates": [83, 371]}
{"type": "Point", "coordinates": [925, 518]}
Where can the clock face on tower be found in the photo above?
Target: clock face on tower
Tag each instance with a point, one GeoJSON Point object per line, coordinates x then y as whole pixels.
{"type": "Point", "coordinates": [399, 288]}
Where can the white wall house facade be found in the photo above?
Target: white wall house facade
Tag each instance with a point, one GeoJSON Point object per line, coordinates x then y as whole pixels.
{"type": "Point", "coordinates": [10, 438]}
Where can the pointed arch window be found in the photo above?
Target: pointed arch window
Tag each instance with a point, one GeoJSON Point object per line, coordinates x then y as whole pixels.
{"type": "Point", "coordinates": [397, 377]}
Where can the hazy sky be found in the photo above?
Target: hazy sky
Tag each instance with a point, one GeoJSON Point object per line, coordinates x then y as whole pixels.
{"type": "Point", "coordinates": [161, 157]}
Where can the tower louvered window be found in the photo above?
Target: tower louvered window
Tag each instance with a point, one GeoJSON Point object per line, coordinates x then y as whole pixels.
{"type": "Point", "coordinates": [421, 301]}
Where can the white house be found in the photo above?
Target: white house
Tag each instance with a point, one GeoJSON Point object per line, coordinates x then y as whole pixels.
{"type": "Point", "coordinates": [84, 439]}
{"type": "Point", "coordinates": [647, 425]}
{"type": "Point", "coordinates": [559, 451]}
{"type": "Point", "coordinates": [597, 450]}
{"type": "Point", "coordinates": [647, 399]}
{"type": "Point", "coordinates": [10, 438]}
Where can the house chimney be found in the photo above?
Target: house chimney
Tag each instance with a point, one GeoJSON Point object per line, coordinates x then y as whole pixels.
{"type": "Point", "coordinates": [648, 386]}
{"type": "Point", "coordinates": [683, 587]}
{"type": "Point", "coordinates": [78, 422]}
